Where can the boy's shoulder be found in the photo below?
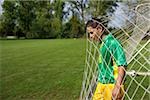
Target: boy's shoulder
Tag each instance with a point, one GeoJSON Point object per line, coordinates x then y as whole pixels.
{"type": "Point", "coordinates": [113, 41]}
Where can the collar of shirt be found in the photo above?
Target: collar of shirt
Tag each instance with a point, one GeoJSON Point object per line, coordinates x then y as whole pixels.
{"type": "Point", "coordinates": [106, 37]}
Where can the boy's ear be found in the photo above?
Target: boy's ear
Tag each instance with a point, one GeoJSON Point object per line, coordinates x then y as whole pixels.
{"type": "Point", "coordinates": [99, 28]}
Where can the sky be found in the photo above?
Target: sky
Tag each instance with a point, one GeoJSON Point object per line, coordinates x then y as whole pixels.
{"type": "Point", "coordinates": [117, 20]}
{"type": "Point", "coordinates": [1, 1]}
{"type": "Point", "coordinates": [119, 16]}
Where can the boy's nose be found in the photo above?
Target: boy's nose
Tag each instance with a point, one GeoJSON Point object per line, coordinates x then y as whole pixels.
{"type": "Point", "coordinates": [91, 36]}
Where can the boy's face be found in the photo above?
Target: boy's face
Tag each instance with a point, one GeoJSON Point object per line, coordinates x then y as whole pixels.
{"type": "Point", "coordinates": [94, 33]}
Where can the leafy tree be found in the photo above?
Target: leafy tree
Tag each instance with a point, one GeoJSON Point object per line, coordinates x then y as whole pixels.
{"type": "Point", "coordinates": [8, 19]}
{"type": "Point", "coordinates": [40, 27]}
{"type": "Point", "coordinates": [44, 19]}
{"type": "Point", "coordinates": [99, 7]}
{"type": "Point", "coordinates": [26, 15]}
{"type": "Point", "coordinates": [57, 19]}
{"type": "Point", "coordinates": [75, 27]}
{"type": "Point", "coordinates": [80, 7]}
{"type": "Point", "coordinates": [66, 30]}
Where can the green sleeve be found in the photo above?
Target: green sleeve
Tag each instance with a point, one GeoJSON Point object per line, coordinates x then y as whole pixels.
{"type": "Point", "coordinates": [118, 53]}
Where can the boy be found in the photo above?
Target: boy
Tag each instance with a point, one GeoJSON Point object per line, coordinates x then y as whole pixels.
{"type": "Point", "coordinates": [112, 63]}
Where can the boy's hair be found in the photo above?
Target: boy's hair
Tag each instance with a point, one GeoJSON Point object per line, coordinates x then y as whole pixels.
{"type": "Point", "coordinates": [95, 22]}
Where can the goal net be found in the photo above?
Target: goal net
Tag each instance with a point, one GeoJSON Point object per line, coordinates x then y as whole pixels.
{"type": "Point", "coordinates": [135, 38]}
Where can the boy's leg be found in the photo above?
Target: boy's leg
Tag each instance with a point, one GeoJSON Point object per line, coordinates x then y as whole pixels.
{"type": "Point", "coordinates": [108, 92]}
{"type": "Point", "coordinates": [98, 94]}
{"type": "Point", "coordinates": [104, 92]}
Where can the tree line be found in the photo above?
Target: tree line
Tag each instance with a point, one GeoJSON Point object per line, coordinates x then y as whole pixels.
{"type": "Point", "coordinates": [49, 19]}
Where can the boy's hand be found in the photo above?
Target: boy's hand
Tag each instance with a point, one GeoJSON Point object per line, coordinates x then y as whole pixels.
{"type": "Point", "coordinates": [116, 92]}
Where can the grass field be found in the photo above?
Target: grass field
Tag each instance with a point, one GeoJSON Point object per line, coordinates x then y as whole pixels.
{"type": "Point", "coordinates": [53, 70]}
{"type": "Point", "coordinates": [136, 86]}
{"type": "Point", "coordinates": [41, 69]}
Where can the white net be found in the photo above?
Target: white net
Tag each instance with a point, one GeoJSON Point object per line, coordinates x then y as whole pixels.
{"type": "Point", "coordinates": [135, 41]}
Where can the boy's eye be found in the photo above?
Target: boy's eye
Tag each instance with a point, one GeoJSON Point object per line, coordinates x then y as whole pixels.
{"type": "Point", "coordinates": [91, 32]}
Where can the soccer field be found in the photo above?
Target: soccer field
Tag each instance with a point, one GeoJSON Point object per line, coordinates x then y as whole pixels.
{"type": "Point", "coordinates": [49, 70]}
{"type": "Point", "coordinates": [41, 69]}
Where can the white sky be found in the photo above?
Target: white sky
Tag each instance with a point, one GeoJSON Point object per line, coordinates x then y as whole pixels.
{"type": "Point", "coordinates": [1, 1]}
{"type": "Point", "coordinates": [117, 20]}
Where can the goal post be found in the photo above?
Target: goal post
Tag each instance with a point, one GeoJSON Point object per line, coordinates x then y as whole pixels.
{"type": "Point", "coordinates": [137, 51]}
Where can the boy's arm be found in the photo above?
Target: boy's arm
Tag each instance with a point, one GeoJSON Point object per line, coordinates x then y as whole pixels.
{"type": "Point", "coordinates": [121, 74]}
{"type": "Point", "coordinates": [120, 59]}
{"type": "Point", "coordinates": [119, 81]}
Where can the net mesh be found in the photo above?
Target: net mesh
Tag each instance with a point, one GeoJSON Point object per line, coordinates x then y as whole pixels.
{"type": "Point", "coordinates": [135, 41]}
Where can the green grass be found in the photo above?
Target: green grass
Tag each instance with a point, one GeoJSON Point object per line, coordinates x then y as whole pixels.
{"type": "Point", "coordinates": [53, 70]}
{"type": "Point", "coordinates": [144, 81]}
{"type": "Point", "coordinates": [41, 69]}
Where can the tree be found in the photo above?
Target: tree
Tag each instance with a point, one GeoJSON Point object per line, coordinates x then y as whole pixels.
{"type": "Point", "coordinates": [80, 7]}
{"type": "Point", "coordinates": [76, 27]}
{"type": "Point", "coordinates": [44, 19]}
{"type": "Point", "coordinates": [8, 18]}
{"type": "Point", "coordinates": [40, 27]}
{"type": "Point", "coordinates": [56, 25]}
{"type": "Point", "coordinates": [26, 15]}
{"type": "Point", "coordinates": [99, 7]}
